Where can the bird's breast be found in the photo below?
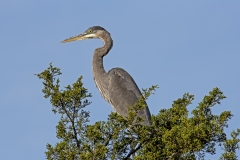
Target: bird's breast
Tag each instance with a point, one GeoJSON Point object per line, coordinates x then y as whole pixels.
{"type": "Point", "coordinates": [102, 89]}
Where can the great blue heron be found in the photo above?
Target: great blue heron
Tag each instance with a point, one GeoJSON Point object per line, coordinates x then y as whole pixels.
{"type": "Point", "coordinates": [117, 86]}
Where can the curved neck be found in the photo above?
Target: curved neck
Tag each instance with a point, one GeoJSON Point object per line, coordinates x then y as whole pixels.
{"type": "Point", "coordinates": [99, 53]}
{"type": "Point", "coordinates": [99, 74]}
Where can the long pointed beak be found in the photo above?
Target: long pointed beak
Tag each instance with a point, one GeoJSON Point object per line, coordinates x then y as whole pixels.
{"type": "Point", "coordinates": [75, 38]}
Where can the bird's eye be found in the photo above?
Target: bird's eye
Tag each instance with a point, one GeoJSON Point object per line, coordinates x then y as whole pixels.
{"type": "Point", "coordinates": [90, 31]}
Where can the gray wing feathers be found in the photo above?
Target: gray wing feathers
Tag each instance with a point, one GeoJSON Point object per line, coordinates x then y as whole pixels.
{"type": "Point", "coordinates": [123, 91]}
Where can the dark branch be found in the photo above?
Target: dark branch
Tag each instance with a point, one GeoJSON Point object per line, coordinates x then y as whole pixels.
{"type": "Point", "coordinates": [72, 121]}
{"type": "Point", "coordinates": [132, 152]}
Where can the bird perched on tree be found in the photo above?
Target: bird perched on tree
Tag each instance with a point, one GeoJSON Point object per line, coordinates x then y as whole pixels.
{"type": "Point", "coordinates": [116, 86]}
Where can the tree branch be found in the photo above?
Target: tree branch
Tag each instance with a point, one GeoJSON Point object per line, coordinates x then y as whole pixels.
{"type": "Point", "coordinates": [132, 152]}
{"type": "Point", "coordinates": [72, 122]}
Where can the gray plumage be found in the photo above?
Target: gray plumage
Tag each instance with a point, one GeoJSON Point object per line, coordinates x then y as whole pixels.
{"type": "Point", "coordinates": [117, 86]}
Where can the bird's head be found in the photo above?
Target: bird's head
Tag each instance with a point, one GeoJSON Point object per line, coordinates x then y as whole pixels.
{"type": "Point", "coordinates": [92, 32]}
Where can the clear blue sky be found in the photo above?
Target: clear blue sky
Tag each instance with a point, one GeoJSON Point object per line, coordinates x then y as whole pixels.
{"type": "Point", "coordinates": [183, 46]}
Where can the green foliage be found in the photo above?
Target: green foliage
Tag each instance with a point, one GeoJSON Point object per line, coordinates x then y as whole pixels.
{"type": "Point", "coordinates": [230, 146]}
{"type": "Point", "coordinates": [173, 134]}
{"type": "Point", "coordinates": [69, 103]}
{"type": "Point", "coordinates": [179, 137]}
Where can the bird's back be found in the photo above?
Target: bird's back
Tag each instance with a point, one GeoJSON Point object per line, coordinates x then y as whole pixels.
{"type": "Point", "coordinates": [123, 91]}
